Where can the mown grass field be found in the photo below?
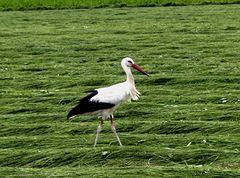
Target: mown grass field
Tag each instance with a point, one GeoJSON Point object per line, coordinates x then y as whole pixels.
{"type": "Point", "coordinates": [186, 124]}
{"type": "Point", "coordinates": [7, 5]}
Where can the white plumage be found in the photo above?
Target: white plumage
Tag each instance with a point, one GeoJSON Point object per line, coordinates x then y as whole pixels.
{"type": "Point", "coordinates": [116, 94]}
{"type": "Point", "coordinates": [104, 101]}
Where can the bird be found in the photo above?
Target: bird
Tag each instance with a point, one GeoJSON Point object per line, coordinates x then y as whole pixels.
{"type": "Point", "coordinates": [103, 101]}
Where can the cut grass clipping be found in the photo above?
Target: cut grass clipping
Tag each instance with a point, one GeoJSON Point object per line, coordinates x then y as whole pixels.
{"type": "Point", "coordinates": [186, 123]}
{"type": "Point", "coordinates": [83, 4]}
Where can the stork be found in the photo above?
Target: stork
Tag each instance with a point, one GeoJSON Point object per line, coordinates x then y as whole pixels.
{"type": "Point", "coordinates": [103, 101]}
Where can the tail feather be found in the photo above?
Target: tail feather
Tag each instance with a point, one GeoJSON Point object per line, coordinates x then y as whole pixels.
{"type": "Point", "coordinates": [79, 108]}
{"type": "Point", "coordinates": [74, 111]}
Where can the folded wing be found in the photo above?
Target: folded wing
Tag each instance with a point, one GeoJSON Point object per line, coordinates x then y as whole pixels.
{"type": "Point", "coordinates": [87, 105]}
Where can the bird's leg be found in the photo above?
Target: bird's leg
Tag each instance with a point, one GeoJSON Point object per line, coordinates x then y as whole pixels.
{"type": "Point", "coordinates": [114, 130]}
{"type": "Point", "coordinates": [99, 128]}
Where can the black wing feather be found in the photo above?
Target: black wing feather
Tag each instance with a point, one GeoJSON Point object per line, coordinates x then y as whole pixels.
{"type": "Point", "coordinates": [87, 106]}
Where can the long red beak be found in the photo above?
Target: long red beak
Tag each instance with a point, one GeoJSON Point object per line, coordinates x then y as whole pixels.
{"type": "Point", "coordinates": [135, 66]}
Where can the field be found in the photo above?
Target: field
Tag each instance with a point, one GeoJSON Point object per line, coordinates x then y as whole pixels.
{"type": "Point", "coordinates": [186, 123]}
{"type": "Point", "coordinates": [7, 5]}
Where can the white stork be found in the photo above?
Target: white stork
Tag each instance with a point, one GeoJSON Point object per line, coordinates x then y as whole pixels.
{"type": "Point", "coordinates": [103, 101]}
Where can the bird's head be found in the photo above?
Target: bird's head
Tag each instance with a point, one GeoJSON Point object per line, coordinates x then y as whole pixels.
{"type": "Point", "coordinates": [128, 63]}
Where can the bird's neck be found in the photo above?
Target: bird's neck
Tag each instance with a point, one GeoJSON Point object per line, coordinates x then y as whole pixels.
{"type": "Point", "coordinates": [132, 88]}
{"type": "Point", "coordinates": [130, 79]}
{"type": "Point", "coordinates": [129, 75]}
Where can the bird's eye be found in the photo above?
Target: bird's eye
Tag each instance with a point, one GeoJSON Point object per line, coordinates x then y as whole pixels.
{"type": "Point", "coordinates": [130, 61]}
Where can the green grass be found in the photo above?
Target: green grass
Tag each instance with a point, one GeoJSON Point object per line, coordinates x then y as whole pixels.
{"type": "Point", "coordinates": [186, 124]}
{"type": "Point", "coordinates": [83, 4]}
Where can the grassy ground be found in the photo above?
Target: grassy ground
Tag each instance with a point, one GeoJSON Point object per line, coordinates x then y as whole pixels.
{"type": "Point", "coordinates": [76, 4]}
{"type": "Point", "coordinates": [186, 124]}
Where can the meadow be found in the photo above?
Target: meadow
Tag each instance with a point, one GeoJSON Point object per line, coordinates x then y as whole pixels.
{"type": "Point", "coordinates": [186, 123]}
{"type": "Point", "coordinates": [7, 5]}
